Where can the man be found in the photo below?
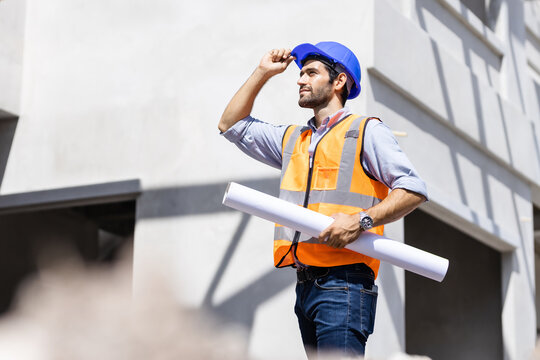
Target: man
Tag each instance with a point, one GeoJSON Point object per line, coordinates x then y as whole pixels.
{"type": "Point", "coordinates": [341, 165]}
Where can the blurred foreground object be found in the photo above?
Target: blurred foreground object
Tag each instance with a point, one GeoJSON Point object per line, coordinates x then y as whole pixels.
{"type": "Point", "coordinates": [71, 312]}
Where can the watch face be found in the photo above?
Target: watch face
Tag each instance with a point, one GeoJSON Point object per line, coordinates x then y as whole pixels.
{"type": "Point", "coordinates": [366, 222]}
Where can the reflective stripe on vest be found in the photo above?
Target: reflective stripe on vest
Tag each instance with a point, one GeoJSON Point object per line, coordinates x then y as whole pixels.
{"type": "Point", "coordinates": [335, 183]}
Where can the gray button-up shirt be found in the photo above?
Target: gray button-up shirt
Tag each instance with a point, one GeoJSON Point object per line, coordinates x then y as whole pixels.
{"type": "Point", "coordinates": [383, 159]}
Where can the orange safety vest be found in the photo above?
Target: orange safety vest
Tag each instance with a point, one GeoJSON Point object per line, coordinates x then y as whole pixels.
{"type": "Point", "coordinates": [334, 183]}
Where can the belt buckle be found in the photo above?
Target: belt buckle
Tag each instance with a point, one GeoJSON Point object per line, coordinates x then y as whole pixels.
{"type": "Point", "coordinates": [301, 276]}
{"type": "Point", "coordinates": [308, 274]}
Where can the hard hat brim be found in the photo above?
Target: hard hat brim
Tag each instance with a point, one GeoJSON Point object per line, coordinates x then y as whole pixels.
{"type": "Point", "coordinates": [304, 50]}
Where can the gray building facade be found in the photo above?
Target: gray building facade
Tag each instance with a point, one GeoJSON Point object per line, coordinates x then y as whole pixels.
{"type": "Point", "coordinates": [108, 116]}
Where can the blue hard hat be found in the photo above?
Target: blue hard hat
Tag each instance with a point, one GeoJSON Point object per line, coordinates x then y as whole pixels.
{"type": "Point", "coordinates": [336, 53]}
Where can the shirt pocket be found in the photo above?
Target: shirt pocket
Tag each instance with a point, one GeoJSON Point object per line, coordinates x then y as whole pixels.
{"type": "Point", "coordinates": [325, 178]}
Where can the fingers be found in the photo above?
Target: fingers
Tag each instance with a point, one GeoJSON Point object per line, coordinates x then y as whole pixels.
{"type": "Point", "coordinates": [281, 55]}
{"type": "Point", "coordinates": [289, 60]}
{"type": "Point", "coordinates": [332, 237]}
{"type": "Point", "coordinates": [274, 55]}
{"type": "Point", "coordinates": [286, 54]}
{"type": "Point", "coordinates": [335, 242]}
{"type": "Point", "coordinates": [342, 231]}
{"type": "Point", "coordinates": [275, 61]}
{"type": "Point", "coordinates": [324, 234]}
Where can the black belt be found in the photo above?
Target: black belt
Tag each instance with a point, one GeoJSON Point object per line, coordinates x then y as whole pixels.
{"type": "Point", "coordinates": [311, 273]}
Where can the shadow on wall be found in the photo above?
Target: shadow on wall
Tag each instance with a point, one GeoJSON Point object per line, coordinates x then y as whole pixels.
{"type": "Point", "coordinates": [239, 307]}
{"type": "Point", "coordinates": [195, 199]}
{"type": "Point", "coordinates": [401, 102]}
{"type": "Point", "coordinates": [112, 325]}
{"type": "Point", "coordinates": [419, 114]}
{"type": "Point", "coordinates": [8, 125]}
{"type": "Point", "coordinates": [533, 125]}
{"type": "Point", "coordinates": [422, 119]}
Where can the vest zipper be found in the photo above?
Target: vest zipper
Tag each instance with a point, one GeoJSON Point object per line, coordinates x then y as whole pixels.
{"type": "Point", "coordinates": [310, 175]}
{"type": "Point", "coordinates": [294, 244]}
{"type": "Point", "coordinates": [308, 188]}
{"type": "Point", "coordinates": [312, 159]}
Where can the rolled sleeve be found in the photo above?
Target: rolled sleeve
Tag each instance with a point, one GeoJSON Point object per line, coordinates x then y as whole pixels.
{"type": "Point", "coordinates": [234, 134]}
{"type": "Point", "coordinates": [384, 160]}
{"type": "Point", "coordinates": [259, 140]}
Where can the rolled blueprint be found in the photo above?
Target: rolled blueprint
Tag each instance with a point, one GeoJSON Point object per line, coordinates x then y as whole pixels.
{"type": "Point", "coordinates": [313, 223]}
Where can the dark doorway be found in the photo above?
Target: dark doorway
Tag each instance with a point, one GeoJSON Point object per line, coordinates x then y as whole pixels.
{"type": "Point", "coordinates": [459, 318]}
{"type": "Point", "coordinates": [8, 125]}
{"type": "Point", "coordinates": [95, 233]}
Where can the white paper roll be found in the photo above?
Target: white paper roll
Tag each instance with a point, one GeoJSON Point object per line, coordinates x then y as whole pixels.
{"type": "Point", "coordinates": [313, 223]}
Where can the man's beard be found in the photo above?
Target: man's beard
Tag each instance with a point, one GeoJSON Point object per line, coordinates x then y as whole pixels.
{"type": "Point", "coordinates": [314, 99]}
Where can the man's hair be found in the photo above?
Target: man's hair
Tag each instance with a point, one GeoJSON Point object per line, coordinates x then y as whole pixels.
{"type": "Point", "coordinates": [332, 73]}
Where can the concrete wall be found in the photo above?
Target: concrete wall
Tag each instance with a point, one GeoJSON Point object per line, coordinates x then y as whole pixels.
{"type": "Point", "coordinates": [12, 25]}
{"type": "Point", "coordinates": [459, 91]}
{"type": "Point", "coordinates": [134, 89]}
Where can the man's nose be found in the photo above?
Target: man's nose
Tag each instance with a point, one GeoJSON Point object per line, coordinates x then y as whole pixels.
{"type": "Point", "coordinates": [302, 80]}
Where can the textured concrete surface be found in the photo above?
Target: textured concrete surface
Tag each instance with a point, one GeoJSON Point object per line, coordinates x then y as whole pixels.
{"type": "Point", "coordinates": [134, 90]}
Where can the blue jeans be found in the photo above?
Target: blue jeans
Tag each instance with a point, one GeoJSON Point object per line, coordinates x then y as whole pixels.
{"type": "Point", "coordinates": [336, 310]}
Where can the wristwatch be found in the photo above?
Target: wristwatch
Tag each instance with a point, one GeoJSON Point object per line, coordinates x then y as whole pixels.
{"type": "Point", "coordinates": [366, 222]}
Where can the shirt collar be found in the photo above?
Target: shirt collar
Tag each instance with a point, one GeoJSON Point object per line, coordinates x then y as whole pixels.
{"type": "Point", "coordinates": [330, 120]}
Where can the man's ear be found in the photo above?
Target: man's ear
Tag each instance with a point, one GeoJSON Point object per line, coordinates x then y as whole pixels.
{"type": "Point", "coordinates": [340, 81]}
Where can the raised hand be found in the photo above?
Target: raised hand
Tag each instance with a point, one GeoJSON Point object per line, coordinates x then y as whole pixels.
{"type": "Point", "coordinates": [275, 61]}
